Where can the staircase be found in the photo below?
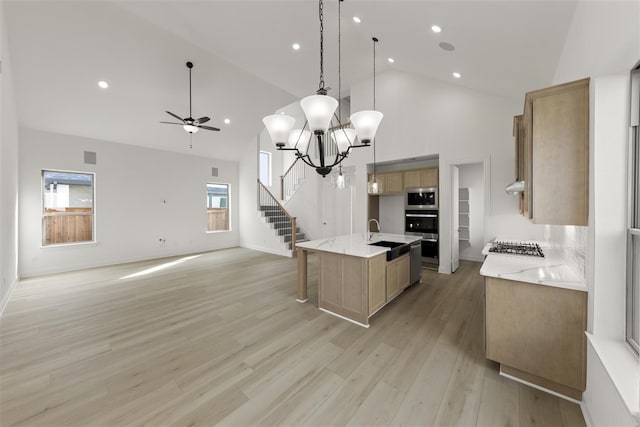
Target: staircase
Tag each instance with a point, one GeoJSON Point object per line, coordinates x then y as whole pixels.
{"type": "Point", "coordinates": [281, 225]}
{"type": "Point", "coordinates": [292, 179]}
{"type": "Point", "coordinates": [276, 216]}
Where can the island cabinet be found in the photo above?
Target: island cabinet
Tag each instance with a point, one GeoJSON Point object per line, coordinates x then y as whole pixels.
{"type": "Point", "coordinates": [355, 287]}
{"type": "Point", "coordinates": [536, 333]}
{"type": "Point", "coordinates": [554, 159]}
{"type": "Point", "coordinates": [397, 276]}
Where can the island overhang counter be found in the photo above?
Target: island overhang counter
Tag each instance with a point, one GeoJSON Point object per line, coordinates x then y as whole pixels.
{"type": "Point", "coordinates": [355, 280]}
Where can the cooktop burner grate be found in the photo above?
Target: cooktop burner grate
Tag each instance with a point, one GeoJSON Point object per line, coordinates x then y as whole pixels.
{"type": "Point", "coordinates": [517, 248]}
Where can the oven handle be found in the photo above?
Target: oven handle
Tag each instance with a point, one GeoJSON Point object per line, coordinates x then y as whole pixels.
{"type": "Point", "coordinates": [421, 215]}
{"type": "Point", "coordinates": [429, 240]}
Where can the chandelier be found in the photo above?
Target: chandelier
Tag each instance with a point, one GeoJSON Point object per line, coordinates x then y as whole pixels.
{"type": "Point", "coordinates": [334, 139]}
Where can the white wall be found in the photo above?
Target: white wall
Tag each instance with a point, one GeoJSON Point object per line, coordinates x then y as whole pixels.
{"type": "Point", "coordinates": [604, 38]}
{"type": "Point", "coordinates": [603, 43]}
{"type": "Point", "coordinates": [427, 117]}
{"type": "Point", "coordinates": [472, 177]}
{"type": "Point", "coordinates": [8, 173]}
{"type": "Point", "coordinates": [142, 195]}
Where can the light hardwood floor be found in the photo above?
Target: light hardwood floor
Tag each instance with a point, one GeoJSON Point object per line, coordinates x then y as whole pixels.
{"type": "Point", "coordinates": [219, 339]}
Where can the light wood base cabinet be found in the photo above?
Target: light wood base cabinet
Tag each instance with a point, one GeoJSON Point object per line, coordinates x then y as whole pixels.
{"type": "Point", "coordinates": [537, 333]}
{"type": "Point", "coordinates": [355, 287]}
{"type": "Point", "coordinates": [397, 276]}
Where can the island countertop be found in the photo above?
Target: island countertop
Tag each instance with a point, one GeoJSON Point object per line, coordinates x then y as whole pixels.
{"type": "Point", "coordinates": [552, 270]}
{"type": "Point", "coordinates": [356, 244]}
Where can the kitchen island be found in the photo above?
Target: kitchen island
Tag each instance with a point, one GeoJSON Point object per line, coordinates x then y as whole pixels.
{"type": "Point", "coordinates": [355, 277]}
{"type": "Point", "coordinates": [535, 318]}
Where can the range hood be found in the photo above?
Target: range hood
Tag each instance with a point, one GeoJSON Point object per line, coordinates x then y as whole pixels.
{"type": "Point", "coordinates": [515, 188]}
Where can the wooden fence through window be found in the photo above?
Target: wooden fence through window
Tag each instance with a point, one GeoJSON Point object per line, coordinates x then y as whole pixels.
{"type": "Point", "coordinates": [218, 219]}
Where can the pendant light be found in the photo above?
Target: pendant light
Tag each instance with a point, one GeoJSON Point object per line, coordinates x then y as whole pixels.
{"type": "Point", "coordinates": [370, 125]}
{"type": "Point", "coordinates": [333, 142]}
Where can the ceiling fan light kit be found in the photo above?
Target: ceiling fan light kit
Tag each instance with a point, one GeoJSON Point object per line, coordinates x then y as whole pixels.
{"type": "Point", "coordinates": [319, 111]}
{"type": "Point", "coordinates": [190, 124]}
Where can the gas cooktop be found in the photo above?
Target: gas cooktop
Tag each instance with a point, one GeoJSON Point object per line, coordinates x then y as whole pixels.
{"type": "Point", "coordinates": [517, 248]}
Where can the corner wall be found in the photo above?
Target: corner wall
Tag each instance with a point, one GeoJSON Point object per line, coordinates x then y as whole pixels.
{"type": "Point", "coordinates": [8, 172]}
{"type": "Point", "coordinates": [142, 195]}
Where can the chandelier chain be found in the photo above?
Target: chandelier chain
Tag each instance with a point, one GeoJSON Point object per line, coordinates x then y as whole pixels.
{"type": "Point", "coordinates": [321, 13]}
{"type": "Point", "coordinates": [339, 64]}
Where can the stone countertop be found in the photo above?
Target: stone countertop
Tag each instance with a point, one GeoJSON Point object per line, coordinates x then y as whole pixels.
{"type": "Point", "coordinates": [552, 270]}
{"type": "Point", "coordinates": [356, 244]}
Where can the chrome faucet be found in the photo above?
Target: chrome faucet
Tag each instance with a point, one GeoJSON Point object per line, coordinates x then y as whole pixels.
{"type": "Point", "coordinates": [369, 227]}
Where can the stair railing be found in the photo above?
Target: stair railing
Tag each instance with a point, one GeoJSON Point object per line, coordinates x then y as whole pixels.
{"type": "Point", "coordinates": [266, 199]}
{"type": "Point", "coordinates": [291, 178]}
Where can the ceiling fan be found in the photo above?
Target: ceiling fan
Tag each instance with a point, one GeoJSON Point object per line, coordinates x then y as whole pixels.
{"type": "Point", "coordinates": [190, 124]}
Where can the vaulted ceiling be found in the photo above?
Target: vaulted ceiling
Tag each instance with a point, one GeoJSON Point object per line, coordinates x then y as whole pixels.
{"type": "Point", "coordinates": [245, 67]}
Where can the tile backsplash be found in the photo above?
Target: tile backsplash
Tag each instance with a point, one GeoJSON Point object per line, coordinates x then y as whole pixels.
{"type": "Point", "coordinates": [570, 239]}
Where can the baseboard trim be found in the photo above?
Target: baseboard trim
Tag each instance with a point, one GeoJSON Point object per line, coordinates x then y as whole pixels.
{"type": "Point", "coordinates": [7, 296]}
{"type": "Point", "coordinates": [287, 253]}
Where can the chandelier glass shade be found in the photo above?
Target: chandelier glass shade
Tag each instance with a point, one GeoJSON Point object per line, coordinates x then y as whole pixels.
{"type": "Point", "coordinates": [366, 124]}
{"type": "Point", "coordinates": [279, 126]}
{"type": "Point", "coordinates": [319, 110]}
{"type": "Point", "coordinates": [334, 139]}
{"type": "Point", "coordinates": [299, 140]}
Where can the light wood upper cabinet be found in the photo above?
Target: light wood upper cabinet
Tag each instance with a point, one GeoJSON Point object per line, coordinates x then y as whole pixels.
{"type": "Point", "coordinates": [429, 177]}
{"type": "Point", "coordinates": [555, 155]}
{"type": "Point", "coordinates": [421, 178]}
{"type": "Point", "coordinates": [392, 183]}
{"type": "Point", "coordinates": [397, 182]}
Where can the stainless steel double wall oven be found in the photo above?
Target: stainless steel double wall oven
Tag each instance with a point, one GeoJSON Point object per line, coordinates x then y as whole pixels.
{"type": "Point", "coordinates": [421, 219]}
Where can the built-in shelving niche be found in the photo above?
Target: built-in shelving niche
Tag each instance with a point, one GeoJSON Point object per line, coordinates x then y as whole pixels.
{"type": "Point", "coordinates": [463, 212]}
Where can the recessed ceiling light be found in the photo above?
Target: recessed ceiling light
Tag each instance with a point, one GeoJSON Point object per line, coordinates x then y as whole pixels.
{"type": "Point", "coordinates": [391, 60]}
{"type": "Point", "coordinates": [436, 29]}
{"type": "Point", "coordinates": [103, 84]}
{"type": "Point", "coordinates": [356, 20]}
{"type": "Point", "coordinates": [296, 46]}
{"type": "Point", "coordinates": [227, 121]}
{"type": "Point", "coordinates": [457, 75]}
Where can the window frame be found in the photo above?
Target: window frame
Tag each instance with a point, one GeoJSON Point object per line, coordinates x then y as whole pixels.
{"type": "Point", "coordinates": [270, 167]}
{"type": "Point", "coordinates": [43, 215]}
{"type": "Point", "coordinates": [633, 213]}
{"type": "Point", "coordinates": [228, 207]}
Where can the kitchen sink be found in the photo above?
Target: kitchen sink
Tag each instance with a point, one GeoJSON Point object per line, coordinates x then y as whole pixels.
{"type": "Point", "coordinates": [396, 249]}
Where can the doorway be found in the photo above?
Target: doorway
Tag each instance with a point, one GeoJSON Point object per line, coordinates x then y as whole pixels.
{"type": "Point", "coordinates": [469, 205]}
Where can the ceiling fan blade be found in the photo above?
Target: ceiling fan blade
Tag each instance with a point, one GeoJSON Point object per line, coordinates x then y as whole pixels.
{"type": "Point", "coordinates": [174, 115]}
{"type": "Point", "coordinates": [172, 123]}
{"type": "Point", "coordinates": [204, 119]}
{"type": "Point", "coordinates": [208, 128]}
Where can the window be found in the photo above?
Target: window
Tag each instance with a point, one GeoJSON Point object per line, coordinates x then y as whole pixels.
{"type": "Point", "coordinates": [633, 235]}
{"type": "Point", "coordinates": [265, 168]}
{"type": "Point", "coordinates": [217, 207]}
{"type": "Point", "coordinates": [67, 207]}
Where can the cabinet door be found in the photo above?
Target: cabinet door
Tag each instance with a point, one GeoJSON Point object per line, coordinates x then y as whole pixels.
{"type": "Point", "coordinates": [429, 177]}
{"type": "Point", "coordinates": [393, 183]}
{"type": "Point", "coordinates": [560, 156]}
{"type": "Point", "coordinates": [393, 285]}
{"type": "Point", "coordinates": [377, 291]}
{"type": "Point", "coordinates": [413, 178]}
{"type": "Point", "coordinates": [537, 329]}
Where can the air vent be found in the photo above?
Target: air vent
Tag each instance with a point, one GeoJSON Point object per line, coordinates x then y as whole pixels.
{"type": "Point", "coordinates": [214, 171]}
{"type": "Point", "coordinates": [90, 157]}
